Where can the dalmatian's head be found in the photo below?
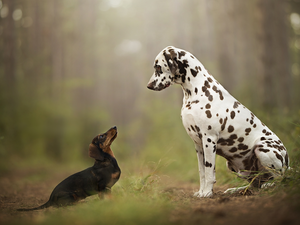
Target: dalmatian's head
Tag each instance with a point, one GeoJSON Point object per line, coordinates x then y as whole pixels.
{"type": "Point", "coordinates": [169, 67]}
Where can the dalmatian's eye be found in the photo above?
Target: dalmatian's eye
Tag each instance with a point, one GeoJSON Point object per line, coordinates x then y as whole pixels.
{"type": "Point", "coordinates": [158, 69]}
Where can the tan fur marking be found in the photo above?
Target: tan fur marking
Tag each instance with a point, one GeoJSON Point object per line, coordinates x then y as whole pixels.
{"type": "Point", "coordinates": [109, 151]}
{"type": "Point", "coordinates": [115, 175]}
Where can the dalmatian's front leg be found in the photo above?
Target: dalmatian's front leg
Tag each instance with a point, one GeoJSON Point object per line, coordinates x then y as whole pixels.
{"type": "Point", "coordinates": [209, 146]}
{"type": "Point", "coordinates": [200, 156]}
{"type": "Point", "coordinates": [207, 161]}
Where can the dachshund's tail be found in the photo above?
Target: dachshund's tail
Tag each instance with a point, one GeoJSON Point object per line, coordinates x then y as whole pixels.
{"type": "Point", "coordinates": [46, 205]}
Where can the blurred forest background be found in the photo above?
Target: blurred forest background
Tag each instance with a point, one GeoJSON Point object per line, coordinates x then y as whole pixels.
{"type": "Point", "coordinates": [70, 69]}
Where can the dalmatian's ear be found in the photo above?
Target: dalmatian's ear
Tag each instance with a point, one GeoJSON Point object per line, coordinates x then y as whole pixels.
{"type": "Point", "coordinates": [95, 152]}
{"type": "Point", "coordinates": [171, 59]}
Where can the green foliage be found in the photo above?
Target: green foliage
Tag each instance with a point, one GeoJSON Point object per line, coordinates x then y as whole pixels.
{"type": "Point", "coordinates": [287, 127]}
{"type": "Point", "coordinates": [33, 124]}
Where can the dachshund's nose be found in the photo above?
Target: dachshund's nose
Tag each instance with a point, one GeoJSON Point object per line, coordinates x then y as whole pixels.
{"type": "Point", "coordinates": [115, 127]}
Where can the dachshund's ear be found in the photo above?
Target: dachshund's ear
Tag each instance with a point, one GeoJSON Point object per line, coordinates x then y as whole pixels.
{"type": "Point", "coordinates": [95, 140]}
{"type": "Point", "coordinates": [95, 153]}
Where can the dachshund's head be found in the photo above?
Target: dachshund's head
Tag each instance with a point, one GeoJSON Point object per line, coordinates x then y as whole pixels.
{"type": "Point", "coordinates": [101, 143]}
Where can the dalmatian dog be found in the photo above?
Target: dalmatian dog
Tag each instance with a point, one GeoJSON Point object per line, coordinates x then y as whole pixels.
{"type": "Point", "coordinates": [219, 124]}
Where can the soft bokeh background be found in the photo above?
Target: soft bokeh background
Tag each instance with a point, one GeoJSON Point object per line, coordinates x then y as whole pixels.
{"type": "Point", "coordinates": [70, 69]}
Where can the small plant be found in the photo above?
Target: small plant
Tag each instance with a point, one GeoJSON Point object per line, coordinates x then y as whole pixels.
{"type": "Point", "coordinates": [146, 181]}
{"type": "Point", "coordinates": [267, 178]}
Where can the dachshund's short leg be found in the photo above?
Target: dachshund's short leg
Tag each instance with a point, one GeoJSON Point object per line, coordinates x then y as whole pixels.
{"type": "Point", "coordinates": [105, 194]}
{"type": "Point", "coordinates": [101, 195]}
{"type": "Point", "coordinates": [59, 199]}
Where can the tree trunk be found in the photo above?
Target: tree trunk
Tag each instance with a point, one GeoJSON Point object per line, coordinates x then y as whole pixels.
{"type": "Point", "coordinates": [274, 55]}
{"type": "Point", "coordinates": [9, 45]}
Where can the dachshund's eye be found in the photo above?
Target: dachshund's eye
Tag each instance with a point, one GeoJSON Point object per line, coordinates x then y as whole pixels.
{"type": "Point", "coordinates": [101, 137]}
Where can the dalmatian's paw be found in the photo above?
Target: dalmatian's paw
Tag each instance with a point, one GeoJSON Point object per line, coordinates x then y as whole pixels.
{"type": "Point", "coordinates": [201, 194]}
{"type": "Point", "coordinates": [198, 194]}
{"type": "Point", "coordinates": [208, 194]}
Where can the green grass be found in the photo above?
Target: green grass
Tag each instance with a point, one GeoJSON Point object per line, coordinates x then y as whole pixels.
{"type": "Point", "coordinates": [126, 210]}
{"type": "Point", "coordinates": [140, 198]}
{"type": "Point", "coordinates": [165, 157]}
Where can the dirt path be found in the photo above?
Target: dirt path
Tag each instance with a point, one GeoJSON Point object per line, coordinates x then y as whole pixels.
{"type": "Point", "coordinates": [251, 208]}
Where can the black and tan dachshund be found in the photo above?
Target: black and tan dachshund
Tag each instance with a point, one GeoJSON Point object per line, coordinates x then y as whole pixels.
{"type": "Point", "coordinates": [96, 179]}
